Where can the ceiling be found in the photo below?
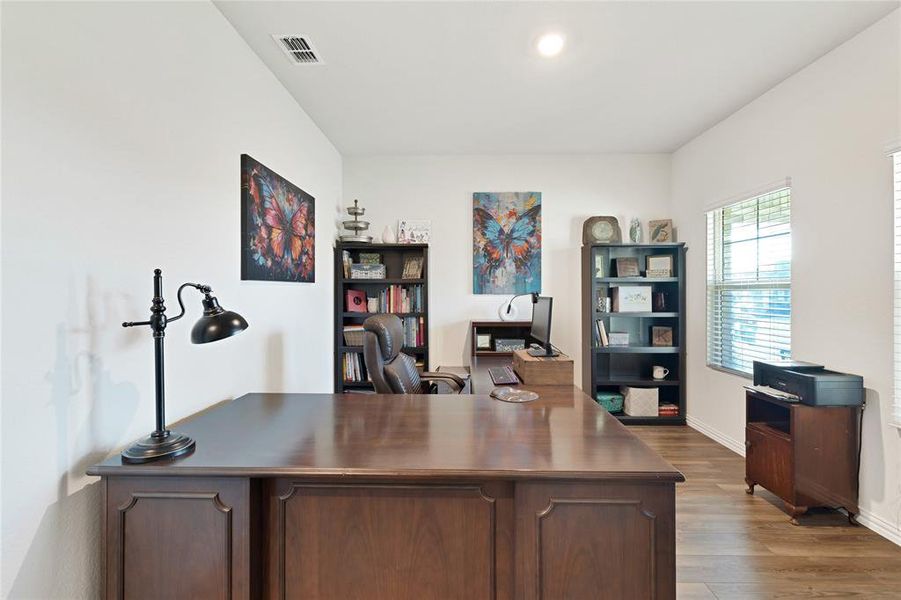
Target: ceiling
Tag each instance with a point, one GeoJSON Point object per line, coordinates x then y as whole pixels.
{"type": "Point", "coordinates": [464, 78]}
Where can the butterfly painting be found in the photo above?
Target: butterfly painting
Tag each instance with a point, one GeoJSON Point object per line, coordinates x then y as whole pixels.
{"type": "Point", "coordinates": [278, 227]}
{"type": "Point", "coordinates": [506, 244]}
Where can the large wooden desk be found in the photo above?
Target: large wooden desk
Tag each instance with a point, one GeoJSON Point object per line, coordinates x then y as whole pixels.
{"type": "Point", "coordinates": [395, 497]}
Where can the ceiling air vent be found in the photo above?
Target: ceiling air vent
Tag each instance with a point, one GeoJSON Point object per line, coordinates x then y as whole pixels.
{"type": "Point", "coordinates": [299, 48]}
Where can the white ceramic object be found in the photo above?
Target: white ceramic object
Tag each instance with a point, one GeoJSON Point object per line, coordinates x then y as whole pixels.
{"type": "Point", "coordinates": [513, 315]}
{"type": "Point", "coordinates": [388, 236]}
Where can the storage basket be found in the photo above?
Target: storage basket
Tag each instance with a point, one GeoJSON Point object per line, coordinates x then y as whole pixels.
{"type": "Point", "coordinates": [354, 336]}
{"type": "Point", "coordinates": [610, 401]}
{"type": "Point", "coordinates": [640, 402]}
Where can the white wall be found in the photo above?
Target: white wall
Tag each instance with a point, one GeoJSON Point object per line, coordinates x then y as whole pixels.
{"type": "Point", "coordinates": [123, 125]}
{"type": "Point", "coordinates": [440, 188]}
{"type": "Point", "coordinates": [827, 128]}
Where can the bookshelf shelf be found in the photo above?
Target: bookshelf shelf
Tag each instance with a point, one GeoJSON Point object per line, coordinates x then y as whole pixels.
{"type": "Point", "coordinates": [637, 350]}
{"type": "Point", "coordinates": [393, 257]}
{"type": "Point", "coordinates": [642, 280]}
{"type": "Point", "coordinates": [363, 281]}
{"type": "Point", "coordinates": [606, 368]}
{"type": "Point", "coordinates": [637, 315]}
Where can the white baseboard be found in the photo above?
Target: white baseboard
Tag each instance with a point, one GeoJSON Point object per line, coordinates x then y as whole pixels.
{"type": "Point", "coordinates": [890, 531]}
{"type": "Point", "coordinates": [733, 444]}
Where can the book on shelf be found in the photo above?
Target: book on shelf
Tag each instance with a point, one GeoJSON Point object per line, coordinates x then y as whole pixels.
{"type": "Point", "coordinates": [412, 267]}
{"type": "Point", "coordinates": [601, 333]}
{"type": "Point", "coordinates": [668, 410]}
{"type": "Point", "coordinates": [355, 301]}
{"type": "Point", "coordinates": [414, 332]}
{"type": "Point", "coordinates": [401, 299]}
{"type": "Point", "coordinates": [355, 368]}
{"type": "Point", "coordinates": [345, 257]}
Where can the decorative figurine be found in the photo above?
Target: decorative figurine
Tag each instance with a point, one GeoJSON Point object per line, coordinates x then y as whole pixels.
{"type": "Point", "coordinates": [635, 230]}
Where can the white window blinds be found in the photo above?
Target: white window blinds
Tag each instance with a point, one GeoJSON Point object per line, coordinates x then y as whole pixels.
{"type": "Point", "coordinates": [896, 167]}
{"type": "Point", "coordinates": [749, 281]}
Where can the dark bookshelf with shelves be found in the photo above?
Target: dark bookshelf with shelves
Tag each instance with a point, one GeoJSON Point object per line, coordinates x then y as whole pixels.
{"type": "Point", "coordinates": [607, 368]}
{"type": "Point", "coordinates": [393, 256]}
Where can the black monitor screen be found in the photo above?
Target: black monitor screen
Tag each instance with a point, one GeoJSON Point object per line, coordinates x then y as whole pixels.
{"type": "Point", "coordinates": [541, 320]}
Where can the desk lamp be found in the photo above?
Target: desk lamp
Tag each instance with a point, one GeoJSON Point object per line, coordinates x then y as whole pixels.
{"type": "Point", "coordinates": [512, 313]}
{"type": "Point", "coordinates": [215, 324]}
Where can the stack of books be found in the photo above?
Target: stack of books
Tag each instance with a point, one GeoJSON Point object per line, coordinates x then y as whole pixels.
{"type": "Point", "coordinates": [668, 410]}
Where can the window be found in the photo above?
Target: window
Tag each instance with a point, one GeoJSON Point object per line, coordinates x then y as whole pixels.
{"type": "Point", "coordinates": [896, 164]}
{"type": "Point", "coordinates": [749, 281]}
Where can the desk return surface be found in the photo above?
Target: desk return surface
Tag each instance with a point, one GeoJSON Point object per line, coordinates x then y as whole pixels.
{"type": "Point", "coordinates": [370, 496]}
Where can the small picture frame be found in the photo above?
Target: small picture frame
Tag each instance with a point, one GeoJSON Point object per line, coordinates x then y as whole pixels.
{"type": "Point", "coordinates": [661, 336]}
{"type": "Point", "coordinates": [412, 267]}
{"type": "Point", "coordinates": [599, 270]}
{"type": "Point", "coordinates": [661, 231]}
{"type": "Point", "coordinates": [509, 345]}
{"type": "Point", "coordinates": [627, 266]}
{"type": "Point", "coordinates": [414, 231]}
{"type": "Point", "coordinates": [659, 266]}
{"type": "Point", "coordinates": [483, 341]}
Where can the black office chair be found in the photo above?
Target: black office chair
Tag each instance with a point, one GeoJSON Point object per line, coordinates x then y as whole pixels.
{"type": "Point", "coordinates": [392, 371]}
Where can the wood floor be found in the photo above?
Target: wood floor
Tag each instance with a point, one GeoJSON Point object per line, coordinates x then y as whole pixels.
{"type": "Point", "coordinates": [730, 545]}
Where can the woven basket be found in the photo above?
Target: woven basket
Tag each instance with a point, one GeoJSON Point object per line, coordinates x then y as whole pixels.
{"type": "Point", "coordinates": [354, 337]}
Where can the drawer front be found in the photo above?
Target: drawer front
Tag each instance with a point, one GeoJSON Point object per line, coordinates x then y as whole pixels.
{"type": "Point", "coordinates": [768, 462]}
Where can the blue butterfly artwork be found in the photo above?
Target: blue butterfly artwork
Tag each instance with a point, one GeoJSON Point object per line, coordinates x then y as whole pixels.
{"type": "Point", "coordinates": [506, 242]}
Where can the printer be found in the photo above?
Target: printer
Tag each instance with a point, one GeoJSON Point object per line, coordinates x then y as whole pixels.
{"type": "Point", "coordinates": [812, 384]}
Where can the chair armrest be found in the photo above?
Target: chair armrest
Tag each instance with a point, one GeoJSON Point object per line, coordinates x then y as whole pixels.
{"type": "Point", "coordinates": [453, 381]}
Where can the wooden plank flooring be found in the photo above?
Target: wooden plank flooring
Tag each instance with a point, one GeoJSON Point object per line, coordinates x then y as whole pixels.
{"type": "Point", "coordinates": [732, 546]}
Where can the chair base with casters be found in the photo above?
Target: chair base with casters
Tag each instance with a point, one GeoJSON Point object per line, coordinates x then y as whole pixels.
{"type": "Point", "coordinates": [392, 371]}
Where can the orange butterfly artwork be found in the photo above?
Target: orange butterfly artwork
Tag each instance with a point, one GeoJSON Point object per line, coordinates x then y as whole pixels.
{"type": "Point", "coordinates": [278, 232]}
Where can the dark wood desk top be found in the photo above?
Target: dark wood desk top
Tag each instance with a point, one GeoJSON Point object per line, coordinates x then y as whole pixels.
{"type": "Point", "coordinates": [563, 435]}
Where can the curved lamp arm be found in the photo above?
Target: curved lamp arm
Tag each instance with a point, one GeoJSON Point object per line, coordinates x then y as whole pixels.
{"type": "Point", "coordinates": [203, 289]}
{"type": "Point", "coordinates": [534, 296]}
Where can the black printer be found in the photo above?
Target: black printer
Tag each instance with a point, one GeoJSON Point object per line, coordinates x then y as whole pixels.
{"type": "Point", "coordinates": [812, 384]}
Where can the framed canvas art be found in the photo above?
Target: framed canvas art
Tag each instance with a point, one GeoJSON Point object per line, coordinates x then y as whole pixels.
{"type": "Point", "coordinates": [506, 245]}
{"type": "Point", "coordinates": [278, 227]}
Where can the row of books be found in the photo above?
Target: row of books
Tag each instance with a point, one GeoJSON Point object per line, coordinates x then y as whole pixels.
{"type": "Point", "coordinates": [398, 299]}
{"type": "Point", "coordinates": [355, 368]}
{"type": "Point", "coordinates": [414, 331]}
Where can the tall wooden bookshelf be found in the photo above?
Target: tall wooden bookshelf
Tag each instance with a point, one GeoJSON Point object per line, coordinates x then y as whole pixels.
{"type": "Point", "coordinates": [393, 257]}
{"type": "Point", "coordinates": [607, 368]}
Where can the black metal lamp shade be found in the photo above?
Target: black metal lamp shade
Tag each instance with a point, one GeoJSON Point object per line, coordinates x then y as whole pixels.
{"type": "Point", "coordinates": [216, 323]}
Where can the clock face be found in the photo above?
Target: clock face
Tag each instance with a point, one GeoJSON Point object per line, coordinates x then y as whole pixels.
{"type": "Point", "coordinates": [602, 231]}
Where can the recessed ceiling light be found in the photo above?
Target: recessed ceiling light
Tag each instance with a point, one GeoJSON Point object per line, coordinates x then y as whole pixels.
{"type": "Point", "coordinates": [550, 44]}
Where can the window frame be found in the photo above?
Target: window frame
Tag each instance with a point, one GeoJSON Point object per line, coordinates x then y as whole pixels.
{"type": "Point", "coordinates": [714, 264]}
{"type": "Point", "coordinates": [895, 158]}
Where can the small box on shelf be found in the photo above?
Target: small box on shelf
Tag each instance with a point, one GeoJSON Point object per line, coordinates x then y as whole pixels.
{"type": "Point", "coordinates": [632, 298]}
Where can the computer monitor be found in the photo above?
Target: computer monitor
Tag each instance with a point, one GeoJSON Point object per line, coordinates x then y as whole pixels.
{"type": "Point", "coordinates": [541, 327]}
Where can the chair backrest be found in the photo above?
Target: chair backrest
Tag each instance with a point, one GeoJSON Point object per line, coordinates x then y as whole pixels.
{"type": "Point", "coordinates": [391, 371]}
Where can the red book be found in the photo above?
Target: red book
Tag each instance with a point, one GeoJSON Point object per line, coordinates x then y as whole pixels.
{"type": "Point", "coordinates": [355, 300]}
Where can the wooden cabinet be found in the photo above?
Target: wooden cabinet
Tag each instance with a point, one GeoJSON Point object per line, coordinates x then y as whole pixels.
{"type": "Point", "coordinates": [806, 455]}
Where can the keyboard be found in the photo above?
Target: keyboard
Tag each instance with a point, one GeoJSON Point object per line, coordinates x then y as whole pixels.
{"type": "Point", "coordinates": [503, 375]}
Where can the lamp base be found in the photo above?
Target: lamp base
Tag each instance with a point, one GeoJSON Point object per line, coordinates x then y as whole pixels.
{"type": "Point", "coordinates": [153, 447]}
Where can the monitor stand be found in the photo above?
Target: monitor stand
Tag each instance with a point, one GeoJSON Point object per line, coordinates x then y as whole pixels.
{"type": "Point", "coordinates": [542, 351]}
